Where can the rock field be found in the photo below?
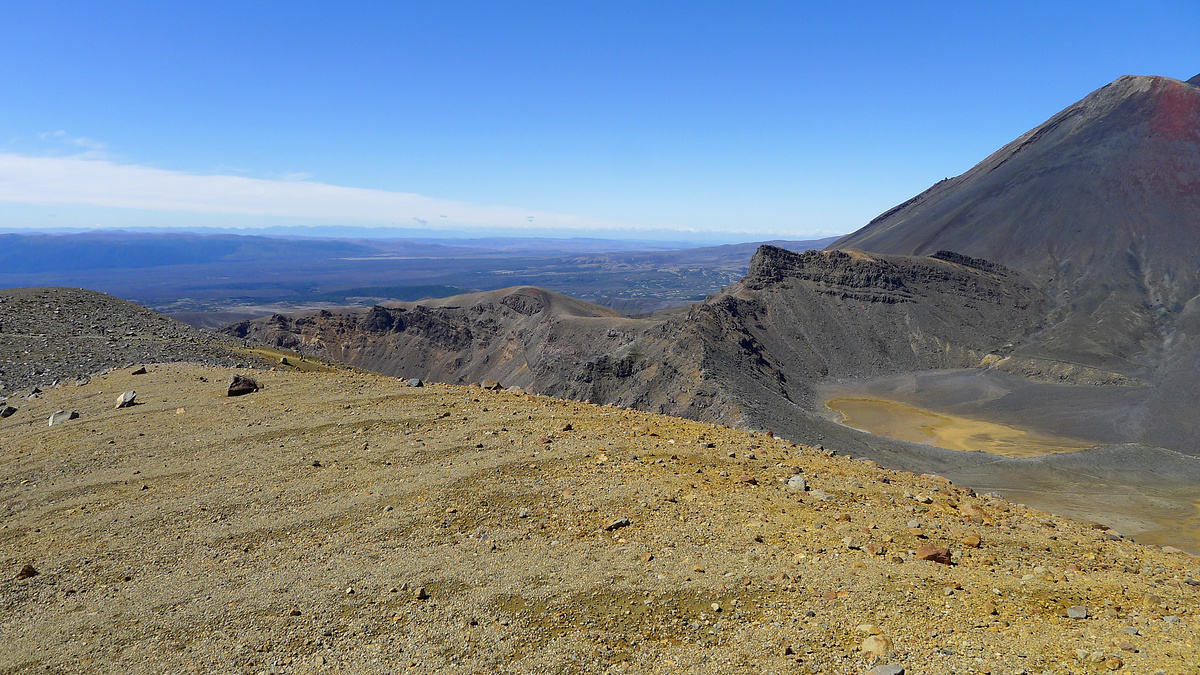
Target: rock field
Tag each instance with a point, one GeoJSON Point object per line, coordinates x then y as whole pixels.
{"type": "Point", "coordinates": [344, 522]}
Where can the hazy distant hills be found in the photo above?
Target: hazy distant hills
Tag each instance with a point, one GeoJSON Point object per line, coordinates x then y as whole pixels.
{"type": "Point", "coordinates": [46, 253]}
{"type": "Point", "coordinates": [202, 278]}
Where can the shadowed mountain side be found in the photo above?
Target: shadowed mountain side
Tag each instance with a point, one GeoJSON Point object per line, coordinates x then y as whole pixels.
{"type": "Point", "coordinates": [1101, 202]}
{"type": "Point", "coordinates": [743, 354]}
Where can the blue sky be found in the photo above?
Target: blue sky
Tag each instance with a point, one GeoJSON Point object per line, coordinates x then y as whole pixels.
{"type": "Point", "coordinates": [734, 121]}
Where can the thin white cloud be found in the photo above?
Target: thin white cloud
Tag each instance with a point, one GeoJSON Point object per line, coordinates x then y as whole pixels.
{"type": "Point", "coordinates": [82, 180]}
{"type": "Point", "coordinates": [62, 137]}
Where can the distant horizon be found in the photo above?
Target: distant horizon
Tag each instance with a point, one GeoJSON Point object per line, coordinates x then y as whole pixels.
{"type": "Point", "coordinates": [658, 239]}
{"type": "Point", "coordinates": [614, 120]}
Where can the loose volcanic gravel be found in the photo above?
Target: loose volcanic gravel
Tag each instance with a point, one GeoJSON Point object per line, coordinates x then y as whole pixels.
{"type": "Point", "coordinates": [342, 522]}
{"type": "Point", "coordinates": [50, 335]}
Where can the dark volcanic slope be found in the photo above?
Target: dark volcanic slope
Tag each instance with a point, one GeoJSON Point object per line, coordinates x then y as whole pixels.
{"type": "Point", "coordinates": [1102, 202]}
{"type": "Point", "coordinates": [49, 334]}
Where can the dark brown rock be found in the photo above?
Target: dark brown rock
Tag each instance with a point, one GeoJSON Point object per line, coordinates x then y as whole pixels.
{"type": "Point", "coordinates": [240, 385]}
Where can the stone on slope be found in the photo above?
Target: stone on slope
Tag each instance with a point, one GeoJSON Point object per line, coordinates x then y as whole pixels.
{"type": "Point", "coordinates": [62, 416]}
{"type": "Point", "coordinates": [878, 646]}
{"type": "Point", "coordinates": [240, 385]}
{"type": "Point", "coordinates": [27, 571]}
{"type": "Point", "coordinates": [415, 382]}
{"type": "Point", "coordinates": [125, 400]}
{"type": "Point", "coordinates": [797, 483]}
{"type": "Point", "coordinates": [7, 411]}
{"type": "Point", "coordinates": [617, 524]}
{"type": "Point", "coordinates": [139, 371]}
{"type": "Point", "coordinates": [934, 554]}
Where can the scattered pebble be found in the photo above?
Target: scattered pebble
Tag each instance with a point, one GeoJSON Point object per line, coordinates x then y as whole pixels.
{"type": "Point", "coordinates": [240, 385]}
{"type": "Point", "coordinates": [878, 646]}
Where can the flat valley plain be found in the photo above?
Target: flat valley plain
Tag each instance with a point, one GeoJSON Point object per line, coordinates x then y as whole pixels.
{"type": "Point", "coordinates": [341, 522]}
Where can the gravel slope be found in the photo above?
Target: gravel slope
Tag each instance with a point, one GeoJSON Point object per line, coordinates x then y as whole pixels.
{"type": "Point", "coordinates": [197, 532]}
{"type": "Point", "coordinates": [61, 334]}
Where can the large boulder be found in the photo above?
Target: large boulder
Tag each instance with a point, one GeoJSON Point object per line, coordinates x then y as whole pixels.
{"type": "Point", "coordinates": [6, 411]}
{"type": "Point", "coordinates": [125, 400]}
{"type": "Point", "coordinates": [240, 385]}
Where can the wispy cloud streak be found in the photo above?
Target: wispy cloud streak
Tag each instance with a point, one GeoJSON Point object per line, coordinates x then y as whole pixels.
{"type": "Point", "coordinates": [98, 182]}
